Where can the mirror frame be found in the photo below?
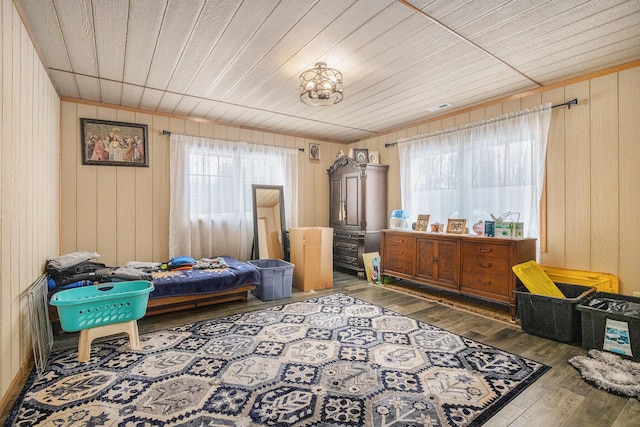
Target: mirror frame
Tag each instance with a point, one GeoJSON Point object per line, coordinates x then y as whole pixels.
{"type": "Point", "coordinates": [283, 225]}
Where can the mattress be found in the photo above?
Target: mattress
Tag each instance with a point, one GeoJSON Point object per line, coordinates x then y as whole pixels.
{"type": "Point", "coordinates": [175, 283]}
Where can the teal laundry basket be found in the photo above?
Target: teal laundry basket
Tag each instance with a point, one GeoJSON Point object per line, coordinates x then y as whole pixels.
{"type": "Point", "coordinates": [103, 304]}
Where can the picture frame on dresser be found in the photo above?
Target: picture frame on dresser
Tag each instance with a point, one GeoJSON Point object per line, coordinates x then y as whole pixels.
{"type": "Point", "coordinates": [456, 225]}
{"type": "Point", "coordinates": [422, 222]}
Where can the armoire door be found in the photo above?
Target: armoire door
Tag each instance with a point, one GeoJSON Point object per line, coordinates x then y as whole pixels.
{"type": "Point", "coordinates": [336, 213]}
{"type": "Point", "coordinates": [352, 200]}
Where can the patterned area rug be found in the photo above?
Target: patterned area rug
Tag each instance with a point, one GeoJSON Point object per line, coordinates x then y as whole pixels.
{"type": "Point", "coordinates": [327, 361]}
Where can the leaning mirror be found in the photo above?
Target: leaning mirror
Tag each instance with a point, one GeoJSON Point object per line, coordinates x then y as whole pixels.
{"type": "Point", "coordinates": [269, 229]}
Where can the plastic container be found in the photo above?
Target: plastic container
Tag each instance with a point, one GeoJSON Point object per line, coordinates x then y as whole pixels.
{"type": "Point", "coordinates": [551, 317]}
{"type": "Point", "coordinates": [104, 304]}
{"type": "Point", "coordinates": [276, 277]}
{"type": "Point", "coordinates": [594, 323]}
{"type": "Point", "coordinates": [603, 282]}
{"type": "Point", "coordinates": [399, 220]}
{"type": "Point", "coordinates": [536, 280]}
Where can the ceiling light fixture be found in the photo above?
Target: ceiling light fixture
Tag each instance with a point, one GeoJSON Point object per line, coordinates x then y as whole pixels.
{"type": "Point", "coordinates": [321, 85]}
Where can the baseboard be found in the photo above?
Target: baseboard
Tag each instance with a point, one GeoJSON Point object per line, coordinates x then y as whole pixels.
{"type": "Point", "coordinates": [15, 388]}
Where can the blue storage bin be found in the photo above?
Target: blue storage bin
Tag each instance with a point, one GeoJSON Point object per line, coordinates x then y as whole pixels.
{"type": "Point", "coordinates": [276, 278]}
{"type": "Point", "coordinates": [104, 304]}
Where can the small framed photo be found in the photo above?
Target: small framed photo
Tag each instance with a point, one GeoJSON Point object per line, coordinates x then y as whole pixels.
{"type": "Point", "coordinates": [374, 157]}
{"type": "Point", "coordinates": [361, 155]}
{"type": "Point", "coordinates": [110, 143]}
{"type": "Point", "coordinates": [314, 151]}
{"type": "Point", "coordinates": [456, 226]}
{"type": "Point", "coordinates": [422, 222]}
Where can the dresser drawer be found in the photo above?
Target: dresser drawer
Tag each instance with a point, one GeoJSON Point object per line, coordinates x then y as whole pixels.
{"type": "Point", "coordinates": [346, 247]}
{"type": "Point", "coordinates": [485, 250]}
{"type": "Point", "coordinates": [345, 260]}
{"type": "Point", "coordinates": [486, 283]}
{"type": "Point", "coordinates": [399, 253]}
{"type": "Point", "coordinates": [347, 236]}
{"type": "Point", "coordinates": [486, 265]}
{"type": "Point", "coordinates": [395, 241]}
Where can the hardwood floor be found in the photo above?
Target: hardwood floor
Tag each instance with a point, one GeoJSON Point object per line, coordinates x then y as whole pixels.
{"type": "Point", "coordinates": [559, 398]}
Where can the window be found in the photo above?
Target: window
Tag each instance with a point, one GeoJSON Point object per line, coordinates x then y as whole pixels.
{"type": "Point", "coordinates": [471, 172]}
{"type": "Point", "coordinates": [211, 201]}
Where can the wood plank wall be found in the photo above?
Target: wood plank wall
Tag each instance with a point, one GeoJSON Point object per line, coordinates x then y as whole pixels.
{"type": "Point", "coordinates": [29, 186]}
{"type": "Point", "coordinates": [123, 212]}
{"type": "Point", "coordinates": [592, 173]}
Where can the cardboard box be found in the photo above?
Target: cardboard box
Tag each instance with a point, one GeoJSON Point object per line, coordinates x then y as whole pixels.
{"type": "Point", "coordinates": [509, 230]}
{"type": "Point", "coordinates": [312, 255]}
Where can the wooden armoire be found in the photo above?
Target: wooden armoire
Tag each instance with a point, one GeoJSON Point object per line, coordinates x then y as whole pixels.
{"type": "Point", "coordinates": [358, 210]}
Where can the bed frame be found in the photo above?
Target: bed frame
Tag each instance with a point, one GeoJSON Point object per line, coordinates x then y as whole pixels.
{"type": "Point", "coordinates": [176, 303]}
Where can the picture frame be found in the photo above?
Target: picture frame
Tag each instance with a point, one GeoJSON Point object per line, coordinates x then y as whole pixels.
{"type": "Point", "coordinates": [456, 226]}
{"type": "Point", "coordinates": [423, 222]}
{"type": "Point", "coordinates": [361, 155]}
{"type": "Point", "coordinates": [374, 157]}
{"type": "Point", "coordinates": [111, 143]}
{"type": "Point", "coordinates": [314, 151]}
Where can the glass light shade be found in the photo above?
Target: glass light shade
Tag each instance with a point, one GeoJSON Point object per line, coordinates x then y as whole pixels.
{"type": "Point", "coordinates": [321, 86]}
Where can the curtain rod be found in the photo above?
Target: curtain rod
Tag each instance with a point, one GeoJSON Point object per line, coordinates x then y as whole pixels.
{"type": "Point", "coordinates": [567, 104]}
{"type": "Point", "coordinates": [168, 132]}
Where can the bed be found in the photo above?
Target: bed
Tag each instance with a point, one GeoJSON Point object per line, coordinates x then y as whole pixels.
{"type": "Point", "coordinates": [180, 289]}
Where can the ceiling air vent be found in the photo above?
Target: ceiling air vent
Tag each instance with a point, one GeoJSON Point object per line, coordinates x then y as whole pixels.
{"type": "Point", "coordinates": [439, 107]}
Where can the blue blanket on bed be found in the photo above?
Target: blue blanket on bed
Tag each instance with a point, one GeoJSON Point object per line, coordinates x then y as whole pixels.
{"type": "Point", "coordinates": [195, 282]}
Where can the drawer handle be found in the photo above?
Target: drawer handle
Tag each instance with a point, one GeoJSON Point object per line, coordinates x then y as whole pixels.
{"type": "Point", "coordinates": [480, 282]}
{"type": "Point", "coordinates": [398, 240]}
{"type": "Point", "coordinates": [399, 252]}
{"type": "Point", "coordinates": [487, 265]}
{"type": "Point", "coordinates": [487, 250]}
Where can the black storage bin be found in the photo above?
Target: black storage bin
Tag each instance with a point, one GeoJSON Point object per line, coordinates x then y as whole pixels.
{"type": "Point", "coordinates": [550, 317]}
{"type": "Point", "coordinates": [594, 322]}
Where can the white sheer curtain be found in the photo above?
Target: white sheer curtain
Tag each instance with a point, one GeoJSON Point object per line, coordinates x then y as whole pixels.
{"type": "Point", "coordinates": [490, 167]}
{"type": "Point", "coordinates": [211, 202]}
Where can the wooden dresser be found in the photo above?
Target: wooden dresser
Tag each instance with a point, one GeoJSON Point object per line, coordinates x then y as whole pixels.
{"type": "Point", "coordinates": [470, 265]}
{"type": "Point", "coordinates": [357, 210]}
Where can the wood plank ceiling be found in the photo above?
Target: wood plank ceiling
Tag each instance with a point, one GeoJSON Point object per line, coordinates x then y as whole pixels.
{"type": "Point", "coordinates": [239, 61]}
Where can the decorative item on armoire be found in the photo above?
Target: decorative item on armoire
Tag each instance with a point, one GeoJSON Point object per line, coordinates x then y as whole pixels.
{"type": "Point", "coordinates": [361, 155]}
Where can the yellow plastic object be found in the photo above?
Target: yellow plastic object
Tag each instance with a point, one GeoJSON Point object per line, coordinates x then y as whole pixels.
{"type": "Point", "coordinates": [536, 280]}
{"type": "Point", "coordinates": [603, 282]}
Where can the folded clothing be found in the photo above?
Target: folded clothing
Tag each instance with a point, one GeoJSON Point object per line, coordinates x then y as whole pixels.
{"type": "Point", "coordinates": [97, 275]}
{"type": "Point", "coordinates": [128, 273]}
{"type": "Point", "coordinates": [180, 261]}
{"type": "Point", "coordinates": [143, 265]}
{"type": "Point", "coordinates": [206, 263]}
{"type": "Point", "coordinates": [70, 259]}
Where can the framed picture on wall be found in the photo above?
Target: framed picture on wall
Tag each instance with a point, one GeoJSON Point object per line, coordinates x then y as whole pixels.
{"type": "Point", "coordinates": [109, 143]}
{"type": "Point", "coordinates": [314, 151]}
